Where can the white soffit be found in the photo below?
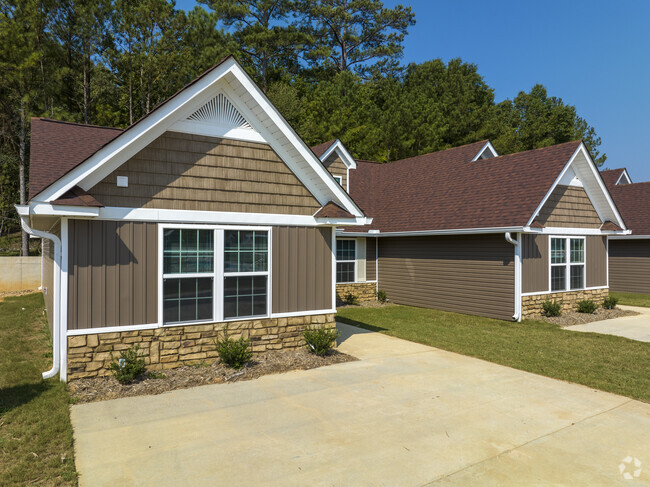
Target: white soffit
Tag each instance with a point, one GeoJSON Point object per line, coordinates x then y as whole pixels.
{"type": "Point", "coordinates": [570, 179]}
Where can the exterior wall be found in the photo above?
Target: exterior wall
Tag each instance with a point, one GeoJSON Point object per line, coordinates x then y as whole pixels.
{"type": "Point", "coordinates": [466, 274]}
{"type": "Point", "coordinates": [371, 259]}
{"type": "Point", "coordinates": [569, 206]}
{"type": "Point", "coordinates": [337, 167]}
{"type": "Point", "coordinates": [20, 273]}
{"type": "Point", "coordinates": [112, 274]}
{"type": "Point", "coordinates": [596, 261]}
{"type": "Point", "coordinates": [301, 269]}
{"type": "Point", "coordinates": [171, 347]}
{"type": "Point", "coordinates": [532, 305]}
{"type": "Point", "coordinates": [364, 291]}
{"type": "Point", "coordinates": [48, 274]}
{"type": "Point", "coordinates": [629, 266]}
{"type": "Point", "coordinates": [194, 172]}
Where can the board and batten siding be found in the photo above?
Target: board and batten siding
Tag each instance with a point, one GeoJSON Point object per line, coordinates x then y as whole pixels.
{"type": "Point", "coordinates": [629, 266]}
{"type": "Point", "coordinates": [596, 261]}
{"type": "Point", "coordinates": [112, 274]}
{"type": "Point", "coordinates": [301, 269]}
{"type": "Point", "coordinates": [569, 206]}
{"type": "Point", "coordinates": [337, 167]}
{"type": "Point", "coordinates": [194, 172]}
{"type": "Point", "coordinates": [466, 274]}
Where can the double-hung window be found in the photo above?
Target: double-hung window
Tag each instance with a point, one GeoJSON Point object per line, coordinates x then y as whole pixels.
{"type": "Point", "coordinates": [214, 274]}
{"type": "Point", "coordinates": [567, 263]}
{"type": "Point", "coordinates": [345, 260]}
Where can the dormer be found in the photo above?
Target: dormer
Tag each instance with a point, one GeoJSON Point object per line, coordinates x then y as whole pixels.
{"type": "Point", "coordinates": [337, 160]}
{"type": "Point", "coordinates": [486, 152]}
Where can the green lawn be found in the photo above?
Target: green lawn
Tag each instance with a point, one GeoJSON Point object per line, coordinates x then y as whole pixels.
{"type": "Point", "coordinates": [605, 362]}
{"type": "Point", "coordinates": [35, 432]}
{"type": "Point", "coordinates": [632, 299]}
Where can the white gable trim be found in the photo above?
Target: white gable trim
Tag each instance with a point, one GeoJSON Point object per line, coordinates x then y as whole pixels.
{"type": "Point", "coordinates": [488, 147]}
{"type": "Point", "coordinates": [593, 185]}
{"type": "Point", "coordinates": [252, 104]}
{"type": "Point", "coordinates": [342, 152]}
{"type": "Point", "coordinates": [624, 176]}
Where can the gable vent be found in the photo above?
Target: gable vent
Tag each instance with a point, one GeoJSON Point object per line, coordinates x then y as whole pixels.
{"type": "Point", "coordinates": [220, 111]}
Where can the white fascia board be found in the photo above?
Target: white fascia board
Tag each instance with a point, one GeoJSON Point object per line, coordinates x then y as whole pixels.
{"type": "Point", "coordinates": [39, 208]}
{"type": "Point", "coordinates": [488, 146]}
{"type": "Point", "coordinates": [573, 231]}
{"type": "Point", "coordinates": [342, 152]}
{"type": "Point", "coordinates": [462, 231]}
{"type": "Point", "coordinates": [345, 221]}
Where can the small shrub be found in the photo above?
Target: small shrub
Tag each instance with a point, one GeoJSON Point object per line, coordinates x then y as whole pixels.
{"type": "Point", "coordinates": [552, 308]}
{"type": "Point", "coordinates": [129, 366]}
{"type": "Point", "coordinates": [156, 375]}
{"type": "Point", "coordinates": [587, 306]}
{"type": "Point", "coordinates": [320, 340]}
{"type": "Point", "coordinates": [610, 302]}
{"type": "Point", "coordinates": [234, 353]}
{"type": "Point", "coordinates": [351, 299]}
{"type": "Point", "coordinates": [381, 296]}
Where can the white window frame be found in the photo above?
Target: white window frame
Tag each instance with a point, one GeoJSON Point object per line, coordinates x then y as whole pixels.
{"type": "Point", "coordinates": [353, 261]}
{"type": "Point", "coordinates": [218, 273]}
{"type": "Point", "coordinates": [567, 264]}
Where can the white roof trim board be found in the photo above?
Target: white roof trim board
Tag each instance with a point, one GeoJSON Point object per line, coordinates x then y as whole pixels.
{"type": "Point", "coordinates": [338, 147]}
{"type": "Point", "coordinates": [248, 100]}
{"type": "Point", "coordinates": [585, 170]}
{"type": "Point", "coordinates": [486, 152]}
{"type": "Point", "coordinates": [625, 177]}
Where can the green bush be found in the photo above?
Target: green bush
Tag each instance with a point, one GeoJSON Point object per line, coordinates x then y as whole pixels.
{"type": "Point", "coordinates": [587, 306]}
{"type": "Point", "coordinates": [552, 308]}
{"type": "Point", "coordinates": [610, 302]}
{"type": "Point", "coordinates": [381, 296]}
{"type": "Point", "coordinates": [129, 366]}
{"type": "Point", "coordinates": [351, 299]}
{"type": "Point", "coordinates": [234, 353]}
{"type": "Point", "coordinates": [320, 340]}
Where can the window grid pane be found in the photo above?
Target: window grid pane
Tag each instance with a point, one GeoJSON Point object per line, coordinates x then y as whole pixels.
{"type": "Point", "coordinates": [344, 272]}
{"type": "Point", "coordinates": [246, 251]}
{"type": "Point", "coordinates": [187, 299]}
{"type": "Point", "coordinates": [577, 276]}
{"type": "Point", "coordinates": [558, 251]}
{"type": "Point", "coordinates": [577, 250]}
{"type": "Point", "coordinates": [245, 296]}
{"type": "Point", "coordinates": [345, 249]}
{"type": "Point", "coordinates": [558, 278]}
{"type": "Point", "coordinates": [188, 251]}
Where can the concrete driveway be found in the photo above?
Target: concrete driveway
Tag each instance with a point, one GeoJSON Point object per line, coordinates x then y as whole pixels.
{"type": "Point", "coordinates": [634, 327]}
{"type": "Point", "coordinates": [404, 414]}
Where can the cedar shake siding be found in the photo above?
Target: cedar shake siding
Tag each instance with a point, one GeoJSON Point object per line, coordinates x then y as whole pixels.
{"type": "Point", "coordinates": [465, 274]}
{"type": "Point", "coordinates": [301, 269]}
{"type": "Point", "coordinates": [193, 172]}
{"type": "Point", "coordinates": [113, 274]}
{"type": "Point", "coordinates": [629, 266]}
{"type": "Point", "coordinates": [371, 259]}
{"type": "Point", "coordinates": [569, 206]}
{"type": "Point", "coordinates": [336, 167]}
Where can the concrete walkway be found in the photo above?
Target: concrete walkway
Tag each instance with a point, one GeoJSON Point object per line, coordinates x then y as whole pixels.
{"type": "Point", "coordinates": [403, 415]}
{"type": "Point", "coordinates": [634, 327]}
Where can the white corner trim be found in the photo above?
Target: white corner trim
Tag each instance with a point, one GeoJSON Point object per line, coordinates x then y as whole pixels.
{"type": "Point", "coordinates": [487, 147]}
{"type": "Point", "coordinates": [63, 307]}
{"type": "Point", "coordinates": [338, 147]}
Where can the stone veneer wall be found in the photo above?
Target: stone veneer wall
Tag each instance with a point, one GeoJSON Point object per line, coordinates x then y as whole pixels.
{"type": "Point", "coordinates": [532, 305]}
{"type": "Point", "coordinates": [170, 347]}
{"type": "Point", "coordinates": [364, 291]}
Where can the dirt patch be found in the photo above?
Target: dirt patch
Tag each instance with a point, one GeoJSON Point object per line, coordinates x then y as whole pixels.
{"type": "Point", "coordinates": [367, 304]}
{"type": "Point", "coordinates": [5, 294]}
{"type": "Point", "coordinates": [575, 318]}
{"type": "Point", "coordinates": [275, 362]}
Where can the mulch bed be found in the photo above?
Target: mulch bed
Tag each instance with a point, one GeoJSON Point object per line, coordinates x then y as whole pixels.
{"type": "Point", "coordinates": [274, 362]}
{"type": "Point", "coordinates": [367, 304]}
{"type": "Point", "coordinates": [575, 318]}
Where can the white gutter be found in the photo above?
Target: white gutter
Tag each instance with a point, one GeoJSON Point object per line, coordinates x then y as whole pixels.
{"type": "Point", "coordinates": [517, 244]}
{"type": "Point", "coordinates": [459, 231]}
{"type": "Point", "coordinates": [56, 325]}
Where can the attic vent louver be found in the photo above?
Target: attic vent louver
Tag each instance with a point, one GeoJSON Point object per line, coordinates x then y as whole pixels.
{"type": "Point", "coordinates": [220, 111]}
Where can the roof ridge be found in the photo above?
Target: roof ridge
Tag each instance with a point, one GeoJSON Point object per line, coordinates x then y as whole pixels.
{"type": "Point", "coordinates": [484, 141]}
{"type": "Point", "coordinates": [78, 124]}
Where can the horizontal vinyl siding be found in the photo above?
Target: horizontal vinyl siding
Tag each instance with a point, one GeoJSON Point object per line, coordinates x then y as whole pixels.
{"type": "Point", "coordinates": [337, 167]}
{"type": "Point", "coordinates": [629, 266]}
{"type": "Point", "coordinates": [301, 269]}
{"type": "Point", "coordinates": [192, 172]}
{"type": "Point", "coordinates": [596, 249]}
{"type": "Point", "coordinates": [112, 274]}
{"type": "Point", "coordinates": [371, 259]}
{"type": "Point", "coordinates": [534, 263]}
{"type": "Point", "coordinates": [473, 274]}
{"type": "Point", "coordinates": [569, 206]}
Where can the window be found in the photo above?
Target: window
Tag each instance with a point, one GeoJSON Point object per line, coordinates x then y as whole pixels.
{"type": "Point", "coordinates": [345, 260]}
{"type": "Point", "coordinates": [212, 274]}
{"type": "Point", "coordinates": [339, 179]}
{"type": "Point", "coordinates": [567, 263]}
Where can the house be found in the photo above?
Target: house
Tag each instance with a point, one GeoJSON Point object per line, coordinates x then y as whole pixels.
{"type": "Point", "coordinates": [470, 231]}
{"type": "Point", "coordinates": [629, 255]}
{"type": "Point", "coordinates": [208, 211]}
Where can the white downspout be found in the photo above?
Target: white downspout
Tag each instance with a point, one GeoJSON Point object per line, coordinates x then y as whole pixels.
{"type": "Point", "coordinates": [55, 296]}
{"type": "Point", "coordinates": [517, 244]}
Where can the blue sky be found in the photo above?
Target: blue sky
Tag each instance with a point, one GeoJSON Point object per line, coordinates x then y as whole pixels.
{"type": "Point", "coordinates": [593, 54]}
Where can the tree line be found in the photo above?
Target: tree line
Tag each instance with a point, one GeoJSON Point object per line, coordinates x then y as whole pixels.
{"type": "Point", "coordinates": [332, 68]}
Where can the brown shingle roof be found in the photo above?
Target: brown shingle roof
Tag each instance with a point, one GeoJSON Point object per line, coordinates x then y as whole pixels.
{"type": "Point", "coordinates": [320, 149]}
{"type": "Point", "coordinates": [446, 191]}
{"type": "Point", "coordinates": [611, 176]}
{"type": "Point", "coordinates": [332, 210]}
{"type": "Point", "coordinates": [633, 203]}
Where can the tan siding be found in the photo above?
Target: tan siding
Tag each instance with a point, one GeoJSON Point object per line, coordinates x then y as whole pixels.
{"type": "Point", "coordinates": [337, 167]}
{"type": "Point", "coordinates": [596, 260]}
{"type": "Point", "coordinates": [473, 274]}
{"type": "Point", "coordinates": [629, 266]}
{"type": "Point", "coordinates": [302, 269]}
{"type": "Point", "coordinates": [534, 263]}
{"type": "Point", "coordinates": [113, 274]}
{"type": "Point", "coordinates": [192, 172]}
{"type": "Point", "coordinates": [569, 206]}
{"type": "Point", "coordinates": [371, 259]}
